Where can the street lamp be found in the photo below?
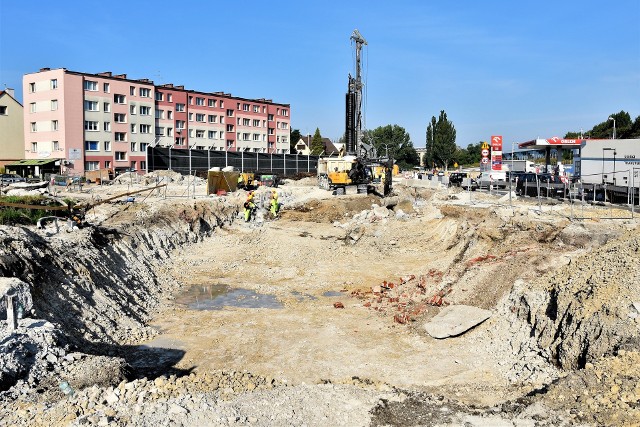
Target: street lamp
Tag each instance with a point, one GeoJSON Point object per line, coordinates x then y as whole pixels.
{"type": "Point", "coordinates": [614, 126]}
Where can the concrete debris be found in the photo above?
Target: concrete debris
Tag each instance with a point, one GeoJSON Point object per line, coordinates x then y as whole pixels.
{"type": "Point", "coordinates": [19, 290]}
{"type": "Point", "coordinates": [455, 320]}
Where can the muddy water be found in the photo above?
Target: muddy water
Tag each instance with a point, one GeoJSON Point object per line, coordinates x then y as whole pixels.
{"type": "Point", "coordinates": [216, 297]}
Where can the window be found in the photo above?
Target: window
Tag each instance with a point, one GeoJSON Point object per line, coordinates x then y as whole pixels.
{"type": "Point", "coordinates": [199, 101]}
{"type": "Point", "coordinates": [143, 146]}
{"type": "Point", "coordinates": [145, 111]}
{"type": "Point", "coordinates": [270, 117]}
{"type": "Point", "coordinates": [191, 100]}
{"type": "Point", "coordinates": [54, 125]}
{"type": "Point", "coordinates": [212, 118]}
{"type": "Point", "coordinates": [121, 155]}
{"type": "Point", "coordinates": [169, 131]}
{"type": "Point", "coordinates": [119, 99]}
{"type": "Point", "coordinates": [106, 126]}
{"type": "Point", "coordinates": [159, 131]}
{"type": "Point", "coordinates": [199, 117]}
{"type": "Point", "coordinates": [133, 128]}
{"type": "Point", "coordinates": [229, 128]}
{"type": "Point", "coordinates": [90, 85]}
{"type": "Point", "coordinates": [256, 137]}
{"type": "Point", "coordinates": [132, 90]}
{"type": "Point", "coordinates": [229, 113]}
{"type": "Point", "coordinates": [54, 83]}
{"type": "Point", "coordinates": [145, 128]}
{"type": "Point", "coordinates": [133, 166]}
{"type": "Point", "coordinates": [32, 87]}
{"type": "Point", "coordinates": [159, 96]}
{"type": "Point", "coordinates": [169, 97]}
{"type": "Point", "coordinates": [56, 146]}
{"type": "Point", "coordinates": [190, 117]}
{"type": "Point", "coordinates": [119, 117]}
{"type": "Point", "coordinates": [180, 124]}
{"type": "Point", "coordinates": [132, 109]}
{"type": "Point", "coordinates": [256, 123]}
{"type": "Point", "coordinates": [238, 105]}
{"type": "Point", "coordinates": [105, 87]}
{"type": "Point", "coordinates": [133, 146]}
{"type": "Point", "coordinates": [179, 141]}
{"type": "Point", "coordinates": [212, 134]}
{"type": "Point", "coordinates": [90, 125]}
{"type": "Point", "coordinates": [245, 136]}
{"type": "Point", "coordinates": [34, 147]}
{"type": "Point", "coordinates": [190, 133]}
{"type": "Point", "coordinates": [145, 92]}
{"type": "Point", "coordinates": [54, 104]}
{"type": "Point", "coordinates": [91, 165]}
{"type": "Point", "coordinates": [170, 115]}
{"type": "Point", "coordinates": [284, 112]}
{"type": "Point", "coordinates": [107, 164]}
{"type": "Point", "coordinates": [271, 132]}
{"type": "Point", "coordinates": [106, 107]}
{"type": "Point", "coordinates": [256, 109]}
{"type": "Point", "coordinates": [34, 127]}
{"type": "Point", "coordinates": [245, 107]}
{"type": "Point", "coordinates": [91, 146]}
{"type": "Point", "coordinates": [3, 110]}
{"type": "Point", "coordinates": [120, 136]}
{"type": "Point", "coordinates": [284, 125]}
{"type": "Point", "coordinates": [143, 165]}
{"type": "Point", "coordinates": [246, 122]}
{"type": "Point", "coordinates": [199, 133]}
{"type": "Point", "coordinates": [107, 146]}
{"type": "Point", "coordinates": [90, 105]}
{"type": "Point", "coordinates": [159, 114]}
{"type": "Point", "coordinates": [32, 107]}
{"type": "Point", "coordinates": [179, 107]}
{"type": "Point", "coordinates": [212, 103]}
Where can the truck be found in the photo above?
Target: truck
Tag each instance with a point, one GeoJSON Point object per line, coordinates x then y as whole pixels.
{"type": "Point", "coordinates": [520, 165]}
{"type": "Point", "coordinates": [609, 161]}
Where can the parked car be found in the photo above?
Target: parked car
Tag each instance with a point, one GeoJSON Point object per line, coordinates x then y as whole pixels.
{"type": "Point", "coordinates": [10, 178]}
{"type": "Point", "coordinates": [455, 179]}
{"type": "Point", "coordinates": [527, 184]}
{"type": "Point", "coordinates": [494, 178]}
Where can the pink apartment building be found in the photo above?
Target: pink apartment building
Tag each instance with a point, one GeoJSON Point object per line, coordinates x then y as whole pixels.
{"type": "Point", "coordinates": [106, 121]}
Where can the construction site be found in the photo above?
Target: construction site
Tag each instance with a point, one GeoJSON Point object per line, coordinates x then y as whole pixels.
{"type": "Point", "coordinates": [354, 297]}
{"type": "Point", "coordinates": [438, 309]}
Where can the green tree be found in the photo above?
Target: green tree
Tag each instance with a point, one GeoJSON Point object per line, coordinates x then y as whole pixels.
{"type": "Point", "coordinates": [625, 128]}
{"type": "Point", "coordinates": [441, 141]}
{"type": "Point", "coordinates": [393, 140]}
{"type": "Point", "coordinates": [317, 147]}
{"type": "Point", "coordinates": [294, 137]}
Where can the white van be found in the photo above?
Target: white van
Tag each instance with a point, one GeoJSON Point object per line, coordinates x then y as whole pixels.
{"type": "Point", "coordinates": [492, 178]}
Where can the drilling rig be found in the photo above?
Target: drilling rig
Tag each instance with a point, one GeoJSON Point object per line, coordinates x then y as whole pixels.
{"type": "Point", "coordinates": [360, 165]}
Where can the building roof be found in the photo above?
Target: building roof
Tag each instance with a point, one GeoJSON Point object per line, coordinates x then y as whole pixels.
{"type": "Point", "coordinates": [551, 142]}
{"type": "Point", "coordinates": [329, 148]}
{"type": "Point", "coordinates": [4, 92]}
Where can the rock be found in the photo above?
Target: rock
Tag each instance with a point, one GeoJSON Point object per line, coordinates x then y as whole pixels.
{"type": "Point", "coordinates": [177, 409]}
{"type": "Point", "coordinates": [51, 358]}
{"type": "Point", "coordinates": [455, 320]}
{"type": "Point", "coordinates": [111, 398]}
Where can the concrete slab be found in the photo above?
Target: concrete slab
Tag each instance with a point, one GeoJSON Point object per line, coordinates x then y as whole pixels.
{"type": "Point", "coordinates": [455, 320]}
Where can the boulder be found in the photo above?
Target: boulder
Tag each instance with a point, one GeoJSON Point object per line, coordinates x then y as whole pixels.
{"type": "Point", "coordinates": [455, 320]}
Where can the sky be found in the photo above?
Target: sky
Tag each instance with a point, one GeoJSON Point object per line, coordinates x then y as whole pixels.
{"type": "Point", "coordinates": [518, 69]}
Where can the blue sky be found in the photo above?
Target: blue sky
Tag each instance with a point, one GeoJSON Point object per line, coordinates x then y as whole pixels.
{"type": "Point", "coordinates": [518, 69]}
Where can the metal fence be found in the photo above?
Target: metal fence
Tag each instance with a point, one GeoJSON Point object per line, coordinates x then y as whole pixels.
{"type": "Point", "coordinates": [187, 161]}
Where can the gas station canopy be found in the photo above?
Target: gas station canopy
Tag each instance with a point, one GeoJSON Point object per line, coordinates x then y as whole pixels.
{"type": "Point", "coordinates": [555, 142]}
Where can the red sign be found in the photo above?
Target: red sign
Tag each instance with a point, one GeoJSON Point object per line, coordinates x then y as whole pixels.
{"type": "Point", "coordinates": [557, 140]}
{"type": "Point", "coordinates": [496, 153]}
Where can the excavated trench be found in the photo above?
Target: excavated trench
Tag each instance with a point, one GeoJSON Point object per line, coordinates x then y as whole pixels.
{"type": "Point", "coordinates": [102, 285]}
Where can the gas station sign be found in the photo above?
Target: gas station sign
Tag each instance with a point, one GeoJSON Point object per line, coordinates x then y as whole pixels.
{"type": "Point", "coordinates": [496, 153]}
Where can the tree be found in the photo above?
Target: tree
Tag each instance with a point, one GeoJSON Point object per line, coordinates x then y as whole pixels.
{"type": "Point", "coordinates": [441, 141]}
{"type": "Point", "coordinates": [317, 147]}
{"type": "Point", "coordinates": [294, 137]}
{"type": "Point", "coordinates": [625, 129]}
{"type": "Point", "coordinates": [393, 140]}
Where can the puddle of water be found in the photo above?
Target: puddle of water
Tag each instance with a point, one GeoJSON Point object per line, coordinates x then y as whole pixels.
{"type": "Point", "coordinates": [216, 297]}
{"type": "Point", "coordinates": [301, 297]}
{"type": "Point", "coordinates": [332, 294]}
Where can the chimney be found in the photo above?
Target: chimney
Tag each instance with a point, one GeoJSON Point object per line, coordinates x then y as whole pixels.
{"type": "Point", "coordinates": [120, 76]}
{"type": "Point", "coordinates": [105, 74]}
{"type": "Point", "coordinates": [181, 87]}
{"type": "Point", "coordinates": [167, 85]}
{"type": "Point", "coordinates": [45, 69]}
{"type": "Point", "coordinates": [10, 91]}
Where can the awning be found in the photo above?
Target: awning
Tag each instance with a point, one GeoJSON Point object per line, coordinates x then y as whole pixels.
{"type": "Point", "coordinates": [33, 162]}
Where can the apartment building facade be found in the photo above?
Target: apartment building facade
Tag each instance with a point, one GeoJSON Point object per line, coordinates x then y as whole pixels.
{"type": "Point", "coordinates": [11, 128]}
{"type": "Point", "coordinates": [107, 121]}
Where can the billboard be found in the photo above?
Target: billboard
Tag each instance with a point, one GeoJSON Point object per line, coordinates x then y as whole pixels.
{"type": "Point", "coordinates": [496, 153]}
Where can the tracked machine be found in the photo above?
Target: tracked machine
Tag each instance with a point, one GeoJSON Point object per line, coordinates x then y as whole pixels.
{"type": "Point", "coordinates": [360, 165]}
